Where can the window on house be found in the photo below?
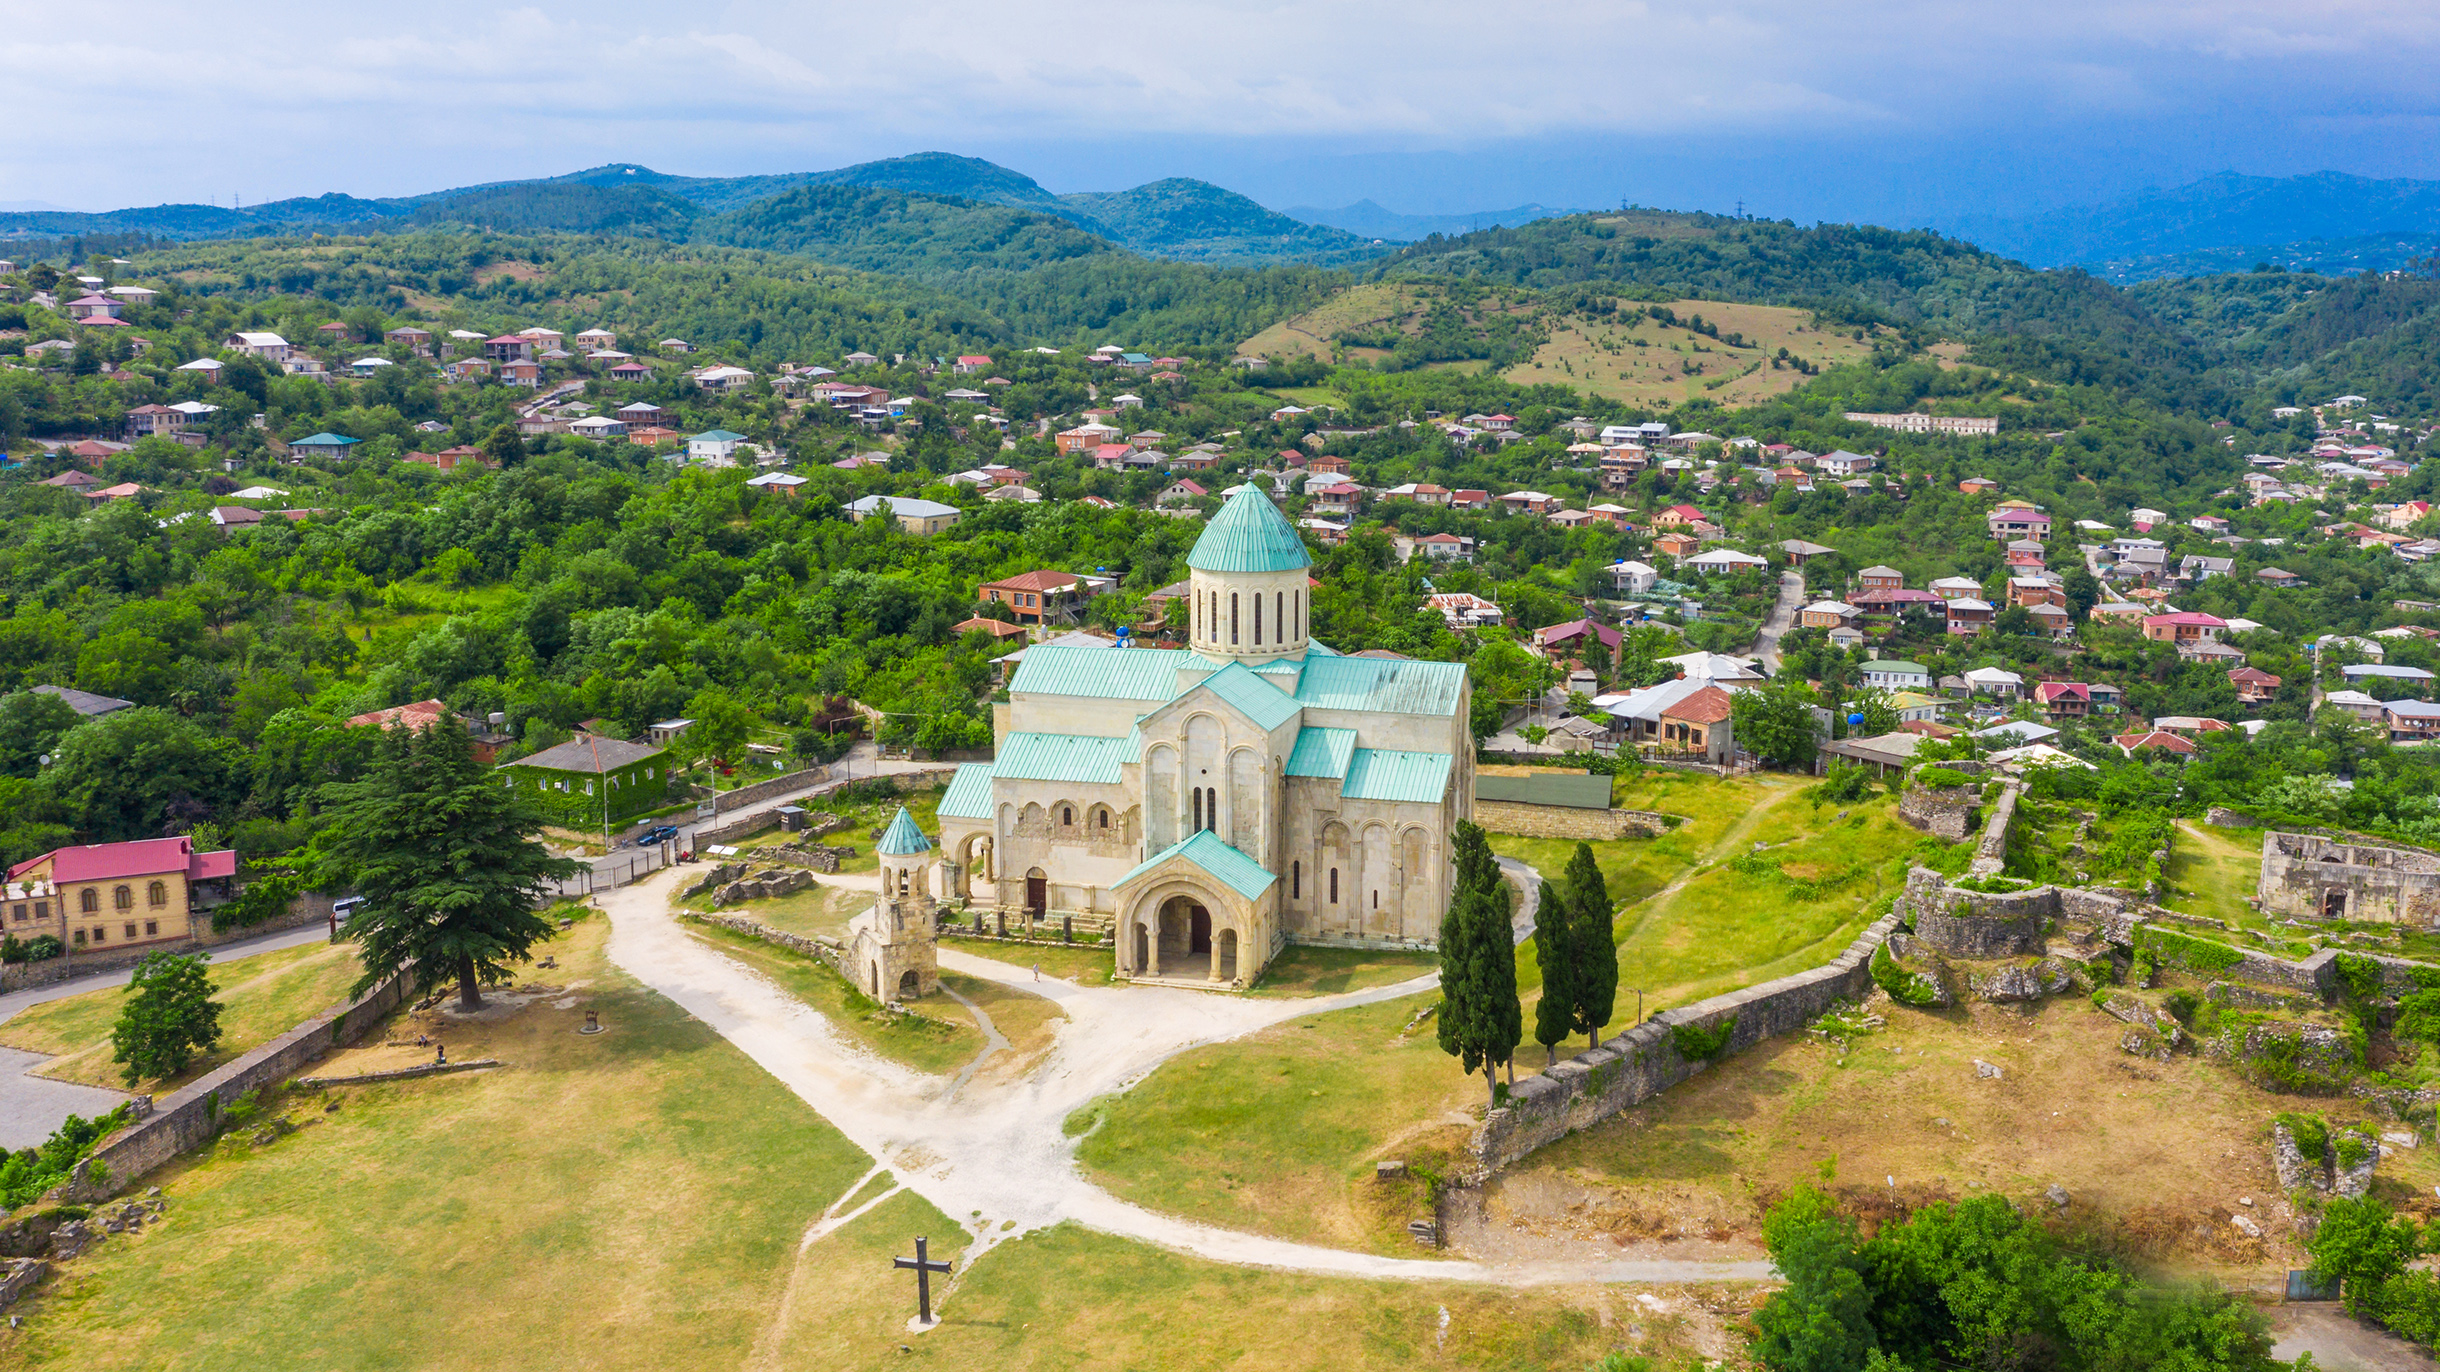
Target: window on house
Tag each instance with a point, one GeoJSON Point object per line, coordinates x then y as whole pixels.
{"type": "Point", "coordinates": [152, 928]}
{"type": "Point", "coordinates": [156, 894]}
{"type": "Point", "coordinates": [588, 788]}
{"type": "Point", "coordinates": [88, 900]}
{"type": "Point", "coordinates": [42, 909]}
{"type": "Point", "coordinates": [130, 930]}
{"type": "Point", "coordinates": [122, 898]}
{"type": "Point", "coordinates": [80, 938]}
{"type": "Point", "coordinates": [20, 913]}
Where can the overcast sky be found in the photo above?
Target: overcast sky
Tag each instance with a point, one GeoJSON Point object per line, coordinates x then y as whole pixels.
{"type": "Point", "coordinates": [1895, 110]}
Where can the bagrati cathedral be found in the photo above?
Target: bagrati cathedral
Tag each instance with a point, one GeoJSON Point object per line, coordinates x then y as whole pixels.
{"type": "Point", "coordinates": [1211, 804]}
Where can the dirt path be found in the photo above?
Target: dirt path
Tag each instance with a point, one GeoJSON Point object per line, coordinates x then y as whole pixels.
{"type": "Point", "coordinates": [994, 1153]}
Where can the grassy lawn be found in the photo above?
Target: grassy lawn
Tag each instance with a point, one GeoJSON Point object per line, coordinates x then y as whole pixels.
{"type": "Point", "coordinates": [817, 910]}
{"type": "Point", "coordinates": [627, 1200]}
{"type": "Point", "coordinates": [1276, 1133]}
{"type": "Point", "coordinates": [937, 1038]}
{"type": "Point", "coordinates": [1302, 971]}
{"type": "Point", "coordinates": [262, 997]}
{"type": "Point", "coordinates": [868, 816]}
{"type": "Point", "coordinates": [2214, 871]}
{"type": "Point", "coordinates": [1086, 964]}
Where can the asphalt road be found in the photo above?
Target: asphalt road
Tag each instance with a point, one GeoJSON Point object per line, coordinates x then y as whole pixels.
{"type": "Point", "coordinates": [1782, 617]}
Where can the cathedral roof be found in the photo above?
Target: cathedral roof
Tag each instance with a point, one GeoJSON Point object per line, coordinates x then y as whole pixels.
{"type": "Point", "coordinates": [903, 839]}
{"type": "Point", "coordinates": [1249, 535]}
{"type": "Point", "coordinates": [1205, 849]}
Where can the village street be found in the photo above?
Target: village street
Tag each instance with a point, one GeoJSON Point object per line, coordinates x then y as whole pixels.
{"type": "Point", "coordinates": [993, 1153]}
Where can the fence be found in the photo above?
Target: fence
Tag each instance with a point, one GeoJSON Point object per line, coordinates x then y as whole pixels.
{"type": "Point", "coordinates": [612, 872]}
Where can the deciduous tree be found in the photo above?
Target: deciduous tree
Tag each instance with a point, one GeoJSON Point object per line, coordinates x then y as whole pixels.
{"type": "Point", "coordinates": [168, 1017]}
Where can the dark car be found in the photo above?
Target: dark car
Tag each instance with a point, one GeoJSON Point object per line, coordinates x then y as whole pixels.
{"type": "Point", "coordinates": [662, 834]}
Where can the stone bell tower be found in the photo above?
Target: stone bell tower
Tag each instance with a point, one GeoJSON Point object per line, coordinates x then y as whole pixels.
{"type": "Point", "coordinates": [896, 955]}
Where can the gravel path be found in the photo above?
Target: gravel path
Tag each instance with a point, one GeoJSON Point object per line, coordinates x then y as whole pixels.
{"type": "Point", "coordinates": [995, 1152]}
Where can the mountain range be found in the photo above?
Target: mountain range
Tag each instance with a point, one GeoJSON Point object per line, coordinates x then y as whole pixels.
{"type": "Point", "coordinates": [2226, 222]}
{"type": "Point", "coordinates": [1368, 220]}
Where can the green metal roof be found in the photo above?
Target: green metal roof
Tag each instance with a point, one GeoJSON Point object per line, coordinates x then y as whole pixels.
{"type": "Point", "coordinates": [1204, 849]}
{"type": "Point", "coordinates": [720, 436]}
{"type": "Point", "coordinates": [1065, 757]}
{"type": "Point", "coordinates": [969, 793]}
{"type": "Point", "coordinates": [1392, 774]}
{"type": "Point", "coordinates": [323, 440]}
{"type": "Point", "coordinates": [903, 839]}
{"type": "Point", "coordinates": [1102, 673]}
{"type": "Point", "coordinates": [1372, 683]}
{"type": "Point", "coordinates": [1251, 696]}
{"type": "Point", "coordinates": [1573, 790]}
{"type": "Point", "coordinates": [1322, 752]}
{"type": "Point", "coordinates": [1249, 535]}
{"type": "Point", "coordinates": [1891, 664]}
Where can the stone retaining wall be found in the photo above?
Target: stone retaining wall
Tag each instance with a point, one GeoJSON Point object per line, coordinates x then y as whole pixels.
{"type": "Point", "coordinates": [1644, 1061]}
{"type": "Point", "coordinates": [831, 954]}
{"type": "Point", "coordinates": [428, 1069]}
{"type": "Point", "coordinates": [1946, 813]}
{"type": "Point", "coordinates": [189, 1118]}
{"type": "Point", "coordinates": [1977, 924]}
{"type": "Point", "coordinates": [744, 796]}
{"type": "Point", "coordinates": [1566, 821]}
{"type": "Point", "coordinates": [1991, 854]}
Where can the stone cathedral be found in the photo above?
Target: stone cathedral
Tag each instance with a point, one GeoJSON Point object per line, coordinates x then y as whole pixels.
{"type": "Point", "coordinates": [1213, 803]}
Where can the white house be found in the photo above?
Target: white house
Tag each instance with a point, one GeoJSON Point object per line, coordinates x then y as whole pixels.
{"type": "Point", "coordinates": [1633, 578]}
{"type": "Point", "coordinates": [714, 445]}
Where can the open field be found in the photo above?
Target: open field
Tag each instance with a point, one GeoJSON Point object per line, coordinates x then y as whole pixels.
{"type": "Point", "coordinates": [1180, 1140]}
{"type": "Point", "coordinates": [939, 1038]}
{"type": "Point", "coordinates": [624, 1200]}
{"type": "Point", "coordinates": [821, 909]}
{"type": "Point", "coordinates": [1302, 971]}
{"type": "Point", "coordinates": [1086, 964]}
{"type": "Point", "coordinates": [2214, 871]}
{"type": "Point", "coordinates": [1310, 333]}
{"type": "Point", "coordinates": [1654, 364]}
{"type": "Point", "coordinates": [262, 997]}
{"type": "Point", "coordinates": [2156, 1157]}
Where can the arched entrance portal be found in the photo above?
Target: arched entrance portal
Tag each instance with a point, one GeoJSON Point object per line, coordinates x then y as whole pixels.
{"type": "Point", "coordinates": [1037, 894]}
{"type": "Point", "coordinates": [909, 986]}
{"type": "Point", "coordinates": [1184, 932]}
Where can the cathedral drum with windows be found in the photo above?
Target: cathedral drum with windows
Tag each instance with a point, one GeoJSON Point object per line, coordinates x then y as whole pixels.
{"type": "Point", "coordinates": [1212, 804]}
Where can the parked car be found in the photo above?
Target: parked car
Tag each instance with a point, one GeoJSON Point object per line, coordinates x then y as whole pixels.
{"type": "Point", "coordinates": [659, 835]}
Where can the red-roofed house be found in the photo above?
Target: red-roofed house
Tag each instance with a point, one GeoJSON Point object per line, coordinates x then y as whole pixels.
{"type": "Point", "coordinates": [509, 347]}
{"type": "Point", "coordinates": [111, 895]}
{"type": "Point", "coordinates": [1699, 724]}
{"type": "Point", "coordinates": [1469, 500]}
{"type": "Point", "coordinates": [2186, 626]}
{"type": "Point", "coordinates": [2064, 699]}
{"type": "Point", "coordinates": [972, 363]}
{"type": "Point", "coordinates": [1038, 597]}
{"type": "Point", "coordinates": [2254, 686]}
{"type": "Point", "coordinates": [2010, 522]}
{"type": "Point", "coordinates": [1570, 638]}
{"type": "Point", "coordinates": [425, 714]}
{"type": "Point", "coordinates": [1329, 466]}
{"type": "Point", "coordinates": [2168, 742]}
{"type": "Point", "coordinates": [1677, 517]}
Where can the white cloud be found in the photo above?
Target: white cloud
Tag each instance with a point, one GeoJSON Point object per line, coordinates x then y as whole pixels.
{"type": "Point", "coordinates": [289, 98]}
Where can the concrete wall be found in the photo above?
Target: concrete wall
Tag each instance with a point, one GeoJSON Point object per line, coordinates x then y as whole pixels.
{"type": "Point", "coordinates": [1644, 1061]}
{"type": "Point", "coordinates": [189, 1118]}
{"type": "Point", "coordinates": [1565, 821]}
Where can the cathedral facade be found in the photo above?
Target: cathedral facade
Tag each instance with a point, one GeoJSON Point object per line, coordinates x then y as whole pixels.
{"type": "Point", "coordinates": [1214, 803]}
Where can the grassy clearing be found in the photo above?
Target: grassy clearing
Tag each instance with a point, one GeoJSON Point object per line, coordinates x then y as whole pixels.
{"type": "Point", "coordinates": [1638, 868]}
{"type": "Point", "coordinates": [2214, 871]}
{"type": "Point", "coordinates": [865, 817]}
{"type": "Point", "coordinates": [2155, 1156]}
{"type": "Point", "coordinates": [818, 910]}
{"type": "Point", "coordinates": [1274, 1132]}
{"type": "Point", "coordinates": [262, 997]}
{"type": "Point", "coordinates": [1310, 333]}
{"type": "Point", "coordinates": [636, 1196]}
{"type": "Point", "coordinates": [938, 1038]}
{"type": "Point", "coordinates": [1661, 365]}
{"type": "Point", "coordinates": [1027, 1021]}
{"type": "Point", "coordinates": [1301, 971]}
{"type": "Point", "coordinates": [1086, 964]}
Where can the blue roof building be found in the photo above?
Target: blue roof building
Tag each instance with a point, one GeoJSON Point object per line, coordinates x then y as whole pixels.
{"type": "Point", "coordinates": [1208, 805]}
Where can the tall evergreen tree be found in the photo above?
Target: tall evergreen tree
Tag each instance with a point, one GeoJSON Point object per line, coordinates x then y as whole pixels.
{"type": "Point", "coordinates": [1593, 978]}
{"type": "Point", "coordinates": [1480, 1018]}
{"type": "Point", "coordinates": [445, 858]}
{"type": "Point", "coordinates": [1554, 944]}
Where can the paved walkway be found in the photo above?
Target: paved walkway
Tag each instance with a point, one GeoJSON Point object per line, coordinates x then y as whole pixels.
{"type": "Point", "coordinates": [994, 1151]}
{"type": "Point", "coordinates": [1781, 618]}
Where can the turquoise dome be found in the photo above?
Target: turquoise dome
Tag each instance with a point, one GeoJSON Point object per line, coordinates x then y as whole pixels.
{"type": "Point", "coordinates": [902, 838]}
{"type": "Point", "coordinates": [1249, 535]}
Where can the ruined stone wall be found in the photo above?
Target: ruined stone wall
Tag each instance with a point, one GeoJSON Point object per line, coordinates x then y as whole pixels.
{"type": "Point", "coordinates": [1639, 1064]}
{"type": "Point", "coordinates": [1975, 924]}
{"type": "Point", "coordinates": [1566, 821]}
{"type": "Point", "coordinates": [1946, 813]}
{"type": "Point", "coordinates": [1991, 854]}
{"type": "Point", "coordinates": [2309, 876]}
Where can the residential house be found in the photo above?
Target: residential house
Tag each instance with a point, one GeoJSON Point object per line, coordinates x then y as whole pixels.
{"type": "Point", "coordinates": [1469, 500]}
{"type": "Point", "coordinates": [2274, 576]}
{"type": "Point", "coordinates": [1956, 588]}
{"type": "Point", "coordinates": [2133, 743]}
{"type": "Point", "coordinates": [1699, 723]}
{"type": "Point", "coordinates": [2183, 627]}
{"type": "Point", "coordinates": [735, 379]}
{"type": "Point", "coordinates": [521, 373]}
{"type": "Point", "coordinates": [915, 516]}
{"type": "Point", "coordinates": [2356, 703]}
{"type": "Point", "coordinates": [2254, 686]}
{"type": "Point", "coordinates": [86, 703]}
{"type": "Point", "coordinates": [971, 363]}
{"type": "Point", "coordinates": [1994, 681]}
{"type": "Point", "coordinates": [1043, 597]}
{"type": "Point", "coordinates": [1435, 547]}
{"type": "Point", "coordinates": [1724, 562]}
{"type": "Point", "coordinates": [270, 347]}
{"type": "Point", "coordinates": [1827, 614]}
{"type": "Point", "coordinates": [2012, 520]}
{"type": "Point", "coordinates": [597, 427]}
{"type": "Point", "coordinates": [1894, 674]}
{"type": "Point", "coordinates": [1087, 438]}
{"type": "Point", "coordinates": [1572, 639]}
{"type": "Point", "coordinates": [1465, 610]}
{"type": "Point", "coordinates": [590, 780]}
{"type": "Point", "coordinates": [2412, 721]}
{"type": "Point", "coordinates": [2055, 620]}
{"type": "Point", "coordinates": [1800, 552]}
{"type": "Point", "coordinates": [1878, 578]}
{"type": "Point", "coordinates": [1334, 498]}
{"type": "Point", "coordinates": [1633, 578]}
{"type": "Point", "coordinates": [715, 446]}
{"type": "Point", "coordinates": [1530, 502]}
{"type": "Point", "coordinates": [1679, 517]}
{"type": "Point", "coordinates": [1677, 544]}
{"type": "Point", "coordinates": [2033, 590]}
{"type": "Point", "coordinates": [2194, 567]}
{"type": "Point", "coordinates": [329, 446]}
{"type": "Point", "coordinates": [1970, 615]}
{"type": "Point", "coordinates": [2064, 699]}
{"type": "Point", "coordinates": [107, 896]}
{"type": "Point", "coordinates": [1420, 492]}
{"type": "Point", "coordinates": [1329, 466]}
{"type": "Point", "coordinates": [509, 347]}
{"type": "Point", "coordinates": [1844, 464]}
{"type": "Point", "coordinates": [2360, 673]}
{"type": "Point", "coordinates": [1977, 485]}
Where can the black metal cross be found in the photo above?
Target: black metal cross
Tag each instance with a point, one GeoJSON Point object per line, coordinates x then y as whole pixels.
{"type": "Point", "coordinates": [923, 1267]}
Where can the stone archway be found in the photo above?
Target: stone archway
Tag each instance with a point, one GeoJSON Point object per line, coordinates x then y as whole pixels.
{"type": "Point", "coordinates": [1224, 956]}
{"type": "Point", "coordinates": [910, 985]}
{"type": "Point", "coordinates": [973, 859]}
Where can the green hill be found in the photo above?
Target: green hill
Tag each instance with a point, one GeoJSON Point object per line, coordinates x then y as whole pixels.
{"type": "Point", "coordinates": [1198, 221]}
{"type": "Point", "coordinates": [941, 173]}
{"type": "Point", "coordinates": [561, 206]}
{"type": "Point", "coordinates": [874, 229]}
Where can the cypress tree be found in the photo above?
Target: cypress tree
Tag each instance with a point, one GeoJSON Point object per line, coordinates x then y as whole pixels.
{"type": "Point", "coordinates": [1593, 975]}
{"type": "Point", "coordinates": [1554, 943]}
{"type": "Point", "coordinates": [1480, 1019]}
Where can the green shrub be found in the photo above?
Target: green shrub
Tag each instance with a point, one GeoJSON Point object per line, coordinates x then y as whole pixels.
{"type": "Point", "coordinates": [2311, 1132]}
{"type": "Point", "coordinates": [2352, 1150]}
{"type": "Point", "coordinates": [1697, 1044]}
{"type": "Point", "coordinates": [1903, 986]}
{"type": "Point", "coordinates": [2178, 950]}
{"type": "Point", "coordinates": [1938, 778]}
{"type": "Point", "coordinates": [2182, 1004]}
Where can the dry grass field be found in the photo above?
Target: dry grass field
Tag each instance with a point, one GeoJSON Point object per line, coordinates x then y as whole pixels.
{"type": "Point", "coordinates": [1310, 333]}
{"type": "Point", "coordinates": [1653, 364]}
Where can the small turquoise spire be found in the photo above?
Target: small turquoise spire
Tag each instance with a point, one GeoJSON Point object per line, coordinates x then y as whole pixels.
{"type": "Point", "coordinates": [902, 838]}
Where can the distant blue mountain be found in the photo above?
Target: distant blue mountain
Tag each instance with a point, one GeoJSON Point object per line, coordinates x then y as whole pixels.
{"type": "Point", "coordinates": [1366, 219]}
{"type": "Point", "coordinates": [2216, 213]}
